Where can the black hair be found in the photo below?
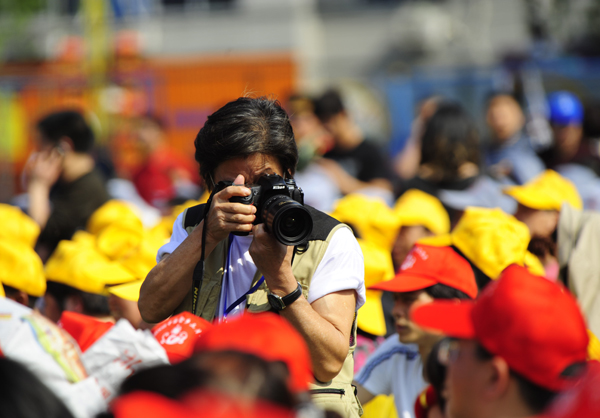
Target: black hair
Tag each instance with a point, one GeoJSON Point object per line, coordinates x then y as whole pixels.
{"type": "Point", "coordinates": [23, 395]}
{"type": "Point", "coordinates": [244, 127]}
{"type": "Point", "coordinates": [70, 124]}
{"type": "Point", "coordinates": [536, 397]}
{"type": "Point", "coordinates": [93, 304]}
{"type": "Point", "coordinates": [442, 291]}
{"type": "Point", "coordinates": [328, 105]}
{"type": "Point", "coordinates": [449, 140]}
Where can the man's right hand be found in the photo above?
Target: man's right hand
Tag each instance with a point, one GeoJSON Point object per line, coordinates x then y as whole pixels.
{"type": "Point", "coordinates": [225, 217]}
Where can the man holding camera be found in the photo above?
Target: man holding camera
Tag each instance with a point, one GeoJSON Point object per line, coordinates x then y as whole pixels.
{"type": "Point", "coordinates": [317, 286]}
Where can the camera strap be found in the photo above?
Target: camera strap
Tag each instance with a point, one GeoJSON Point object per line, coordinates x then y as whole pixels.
{"type": "Point", "coordinates": [199, 269]}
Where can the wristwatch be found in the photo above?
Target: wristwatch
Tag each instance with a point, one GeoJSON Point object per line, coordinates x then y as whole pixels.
{"type": "Point", "coordinates": [279, 303]}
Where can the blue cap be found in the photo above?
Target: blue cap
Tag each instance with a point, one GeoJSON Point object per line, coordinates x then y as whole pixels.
{"type": "Point", "coordinates": [565, 108]}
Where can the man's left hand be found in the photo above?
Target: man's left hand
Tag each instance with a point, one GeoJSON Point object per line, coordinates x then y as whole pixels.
{"type": "Point", "coordinates": [273, 260]}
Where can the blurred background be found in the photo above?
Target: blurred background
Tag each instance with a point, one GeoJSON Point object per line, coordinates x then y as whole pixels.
{"type": "Point", "coordinates": [179, 60]}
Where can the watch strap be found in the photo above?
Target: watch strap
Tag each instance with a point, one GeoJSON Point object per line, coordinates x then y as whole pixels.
{"type": "Point", "coordinates": [280, 303]}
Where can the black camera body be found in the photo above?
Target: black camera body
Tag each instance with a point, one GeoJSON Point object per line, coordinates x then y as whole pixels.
{"type": "Point", "coordinates": [280, 206]}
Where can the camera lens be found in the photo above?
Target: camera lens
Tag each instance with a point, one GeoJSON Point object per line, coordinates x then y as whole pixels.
{"type": "Point", "coordinates": [287, 219]}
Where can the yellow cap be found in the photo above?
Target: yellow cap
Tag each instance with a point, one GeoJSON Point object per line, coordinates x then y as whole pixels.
{"type": "Point", "coordinates": [85, 268]}
{"type": "Point", "coordinates": [593, 347]}
{"type": "Point", "coordinates": [372, 218]}
{"type": "Point", "coordinates": [378, 267]}
{"type": "Point", "coordinates": [143, 258]}
{"type": "Point", "coordinates": [18, 226]}
{"type": "Point", "coordinates": [84, 239]}
{"type": "Point", "coordinates": [2, 294]}
{"type": "Point", "coordinates": [415, 207]}
{"type": "Point", "coordinates": [120, 240]}
{"type": "Point", "coordinates": [21, 268]}
{"type": "Point", "coordinates": [128, 291]}
{"type": "Point", "coordinates": [548, 191]}
{"type": "Point", "coordinates": [111, 213]}
{"type": "Point", "coordinates": [489, 238]}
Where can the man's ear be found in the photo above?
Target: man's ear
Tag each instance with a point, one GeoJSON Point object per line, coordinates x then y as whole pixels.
{"type": "Point", "coordinates": [497, 379]}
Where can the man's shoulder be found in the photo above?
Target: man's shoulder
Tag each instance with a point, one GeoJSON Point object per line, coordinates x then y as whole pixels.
{"type": "Point", "coordinates": [393, 348]}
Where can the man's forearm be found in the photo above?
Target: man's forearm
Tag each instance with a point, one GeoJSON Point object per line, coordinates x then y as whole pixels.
{"type": "Point", "coordinates": [170, 280]}
{"type": "Point", "coordinates": [39, 203]}
{"type": "Point", "coordinates": [328, 344]}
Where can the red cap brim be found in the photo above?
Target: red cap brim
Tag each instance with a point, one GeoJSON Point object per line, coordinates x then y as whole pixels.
{"type": "Point", "coordinates": [404, 283]}
{"type": "Point", "coordinates": [452, 318]}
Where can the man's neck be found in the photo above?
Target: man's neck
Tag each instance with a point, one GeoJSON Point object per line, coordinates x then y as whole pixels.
{"type": "Point", "coordinates": [76, 165]}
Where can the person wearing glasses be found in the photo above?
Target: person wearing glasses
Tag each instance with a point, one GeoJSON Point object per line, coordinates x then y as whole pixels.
{"type": "Point", "coordinates": [512, 350]}
{"type": "Point", "coordinates": [428, 273]}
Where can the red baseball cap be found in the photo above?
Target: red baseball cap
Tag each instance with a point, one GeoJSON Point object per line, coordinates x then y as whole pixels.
{"type": "Point", "coordinates": [534, 324]}
{"type": "Point", "coordinates": [86, 330]}
{"type": "Point", "coordinates": [581, 400]}
{"type": "Point", "coordinates": [265, 335]}
{"type": "Point", "coordinates": [178, 335]}
{"type": "Point", "coordinates": [425, 266]}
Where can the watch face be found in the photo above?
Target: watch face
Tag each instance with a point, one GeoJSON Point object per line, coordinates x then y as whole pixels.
{"type": "Point", "coordinates": [276, 302]}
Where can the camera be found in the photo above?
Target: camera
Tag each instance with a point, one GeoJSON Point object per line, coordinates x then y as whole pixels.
{"type": "Point", "coordinates": [280, 206]}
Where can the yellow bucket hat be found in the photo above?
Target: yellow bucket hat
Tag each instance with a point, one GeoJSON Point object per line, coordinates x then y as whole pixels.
{"type": "Point", "coordinates": [415, 207]}
{"type": "Point", "coordinates": [85, 268]}
{"type": "Point", "coordinates": [143, 258]}
{"type": "Point", "coordinates": [128, 291]}
{"type": "Point", "coordinates": [372, 218]}
{"type": "Point", "coordinates": [491, 240]}
{"type": "Point", "coordinates": [111, 213]}
{"type": "Point", "coordinates": [21, 268]}
{"type": "Point", "coordinates": [16, 225]}
{"type": "Point", "coordinates": [378, 268]}
{"type": "Point", "coordinates": [548, 191]}
{"type": "Point", "coordinates": [120, 240]}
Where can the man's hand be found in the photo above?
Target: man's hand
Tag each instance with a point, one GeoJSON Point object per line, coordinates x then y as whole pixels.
{"type": "Point", "coordinates": [273, 260]}
{"type": "Point", "coordinates": [45, 167]}
{"type": "Point", "coordinates": [225, 217]}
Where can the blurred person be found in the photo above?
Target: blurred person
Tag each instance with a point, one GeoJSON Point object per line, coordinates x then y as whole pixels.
{"type": "Point", "coordinates": [509, 157]}
{"type": "Point", "coordinates": [420, 215]}
{"type": "Point", "coordinates": [77, 279]}
{"type": "Point", "coordinates": [122, 303]}
{"type": "Point", "coordinates": [21, 272]}
{"type": "Point", "coordinates": [23, 395]}
{"type": "Point", "coordinates": [396, 367]}
{"type": "Point", "coordinates": [354, 162]}
{"type": "Point", "coordinates": [319, 291]}
{"type": "Point", "coordinates": [539, 205]}
{"type": "Point", "coordinates": [406, 163]}
{"type": "Point", "coordinates": [164, 175]}
{"type": "Point", "coordinates": [566, 120]}
{"type": "Point", "coordinates": [64, 187]}
{"type": "Point", "coordinates": [450, 154]}
{"type": "Point", "coordinates": [320, 189]}
{"type": "Point", "coordinates": [431, 403]}
{"type": "Point", "coordinates": [512, 350]}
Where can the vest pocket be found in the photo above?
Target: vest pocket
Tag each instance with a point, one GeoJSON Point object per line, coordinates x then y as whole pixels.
{"type": "Point", "coordinates": [329, 391]}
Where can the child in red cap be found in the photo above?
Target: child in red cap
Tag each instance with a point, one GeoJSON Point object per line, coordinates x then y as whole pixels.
{"type": "Point", "coordinates": [396, 367]}
{"type": "Point", "coordinates": [513, 349]}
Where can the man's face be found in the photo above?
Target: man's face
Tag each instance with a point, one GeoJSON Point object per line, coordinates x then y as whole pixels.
{"type": "Point", "coordinates": [408, 331]}
{"type": "Point", "coordinates": [465, 379]}
{"type": "Point", "coordinates": [407, 237]}
{"type": "Point", "coordinates": [567, 140]}
{"type": "Point", "coordinates": [504, 117]}
{"type": "Point", "coordinates": [252, 168]}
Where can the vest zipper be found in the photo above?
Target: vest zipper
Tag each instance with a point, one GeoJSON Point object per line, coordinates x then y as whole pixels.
{"type": "Point", "coordinates": [340, 392]}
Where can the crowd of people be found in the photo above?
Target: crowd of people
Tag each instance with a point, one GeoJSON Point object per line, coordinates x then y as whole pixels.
{"type": "Point", "coordinates": [300, 271]}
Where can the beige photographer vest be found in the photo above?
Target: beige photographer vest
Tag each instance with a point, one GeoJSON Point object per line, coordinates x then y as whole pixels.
{"type": "Point", "coordinates": [338, 394]}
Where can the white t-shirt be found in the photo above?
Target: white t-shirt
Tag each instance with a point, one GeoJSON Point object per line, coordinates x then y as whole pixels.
{"type": "Point", "coordinates": [395, 369]}
{"type": "Point", "coordinates": [342, 268]}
